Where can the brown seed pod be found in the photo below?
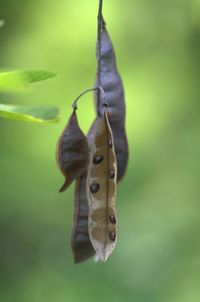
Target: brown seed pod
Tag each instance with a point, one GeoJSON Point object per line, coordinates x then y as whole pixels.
{"type": "Point", "coordinates": [72, 152]}
{"type": "Point", "coordinates": [109, 79]}
{"type": "Point", "coordinates": [80, 240]}
{"type": "Point", "coordinates": [101, 192]}
{"type": "Point", "coordinates": [81, 246]}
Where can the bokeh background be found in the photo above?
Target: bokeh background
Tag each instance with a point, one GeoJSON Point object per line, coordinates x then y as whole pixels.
{"type": "Point", "coordinates": [157, 257]}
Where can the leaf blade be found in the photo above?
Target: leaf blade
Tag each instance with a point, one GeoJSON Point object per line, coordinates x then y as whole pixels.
{"type": "Point", "coordinates": [38, 75]}
{"type": "Point", "coordinates": [36, 114]}
{"type": "Point", "coordinates": [18, 80]}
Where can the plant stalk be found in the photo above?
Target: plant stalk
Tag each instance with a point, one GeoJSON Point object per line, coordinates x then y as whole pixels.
{"type": "Point", "coordinates": [99, 27]}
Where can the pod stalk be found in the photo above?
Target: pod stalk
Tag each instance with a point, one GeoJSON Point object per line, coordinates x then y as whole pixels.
{"type": "Point", "coordinates": [100, 91]}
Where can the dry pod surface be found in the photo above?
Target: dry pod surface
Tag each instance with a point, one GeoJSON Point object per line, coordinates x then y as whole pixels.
{"type": "Point", "coordinates": [81, 246]}
{"type": "Point", "coordinates": [101, 191]}
{"type": "Point", "coordinates": [109, 79]}
{"type": "Point", "coordinates": [72, 152]}
{"type": "Point", "coordinates": [97, 162]}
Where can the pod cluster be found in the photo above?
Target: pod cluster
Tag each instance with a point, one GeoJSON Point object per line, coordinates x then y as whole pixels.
{"type": "Point", "coordinates": [96, 161]}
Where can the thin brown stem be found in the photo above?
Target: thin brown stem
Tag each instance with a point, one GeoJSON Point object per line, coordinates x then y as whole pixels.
{"type": "Point", "coordinates": [99, 18]}
{"type": "Point", "coordinates": [74, 105]}
{"type": "Point", "coordinates": [99, 89]}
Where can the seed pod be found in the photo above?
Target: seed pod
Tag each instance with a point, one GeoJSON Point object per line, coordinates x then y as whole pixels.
{"type": "Point", "coordinates": [72, 152]}
{"type": "Point", "coordinates": [80, 240]}
{"type": "Point", "coordinates": [109, 79]}
{"type": "Point", "coordinates": [101, 191]}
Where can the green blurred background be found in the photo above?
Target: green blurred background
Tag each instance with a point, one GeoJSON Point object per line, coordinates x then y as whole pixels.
{"type": "Point", "coordinates": [157, 257]}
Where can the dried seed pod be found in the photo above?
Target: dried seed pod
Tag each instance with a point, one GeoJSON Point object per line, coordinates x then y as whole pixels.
{"type": "Point", "coordinates": [109, 79]}
{"type": "Point", "coordinates": [80, 240]}
{"type": "Point", "coordinates": [102, 230]}
{"type": "Point", "coordinates": [72, 152]}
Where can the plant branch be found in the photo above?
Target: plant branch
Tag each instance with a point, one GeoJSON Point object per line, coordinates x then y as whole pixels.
{"type": "Point", "coordinates": [100, 91]}
{"type": "Point", "coordinates": [99, 18]}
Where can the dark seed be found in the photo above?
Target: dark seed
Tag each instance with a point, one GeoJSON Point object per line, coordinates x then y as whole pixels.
{"type": "Point", "coordinates": [112, 174]}
{"type": "Point", "coordinates": [112, 219]}
{"type": "Point", "coordinates": [94, 187]}
{"type": "Point", "coordinates": [98, 159]}
{"type": "Point", "coordinates": [112, 235]}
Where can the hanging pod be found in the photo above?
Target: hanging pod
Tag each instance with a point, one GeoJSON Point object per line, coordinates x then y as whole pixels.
{"type": "Point", "coordinates": [101, 190]}
{"type": "Point", "coordinates": [97, 161]}
{"type": "Point", "coordinates": [80, 241]}
{"type": "Point", "coordinates": [110, 80]}
{"type": "Point", "coordinates": [72, 152]}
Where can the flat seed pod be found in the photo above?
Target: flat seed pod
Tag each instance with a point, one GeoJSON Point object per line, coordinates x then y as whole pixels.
{"type": "Point", "coordinates": [101, 191]}
{"type": "Point", "coordinates": [109, 79]}
{"type": "Point", "coordinates": [72, 152]}
{"type": "Point", "coordinates": [80, 240]}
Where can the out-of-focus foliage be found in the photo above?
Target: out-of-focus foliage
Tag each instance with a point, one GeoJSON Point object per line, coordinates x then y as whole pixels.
{"type": "Point", "coordinates": [18, 81]}
{"type": "Point", "coordinates": [1, 23]}
{"type": "Point", "coordinates": [38, 114]}
{"type": "Point", "coordinates": [157, 257]}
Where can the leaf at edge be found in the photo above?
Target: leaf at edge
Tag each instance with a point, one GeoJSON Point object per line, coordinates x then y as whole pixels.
{"type": "Point", "coordinates": [38, 75]}
{"type": "Point", "coordinates": [36, 114]}
{"type": "Point", "coordinates": [19, 79]}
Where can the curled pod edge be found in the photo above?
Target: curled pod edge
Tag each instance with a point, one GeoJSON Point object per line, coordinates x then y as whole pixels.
{"type": "Point", "coordinates": [72, 152]}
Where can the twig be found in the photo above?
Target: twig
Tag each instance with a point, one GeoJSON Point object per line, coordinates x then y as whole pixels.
{"type": "Point", "coordinates": [99, 18]}
{"type": "Point", "coordinates": [100, 91]}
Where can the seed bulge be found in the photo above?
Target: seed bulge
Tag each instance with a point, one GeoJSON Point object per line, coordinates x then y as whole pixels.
{"type": "Point", "coordinates": [112, 235]}
{"type": "Point", "coordinates": [94, 187]}
{"type": "Point", "coordinates": [98, 159]}
{"type": "Point", "coordinates": [112, 219]}
{"type": "Point", "coordinates": [112, 174]}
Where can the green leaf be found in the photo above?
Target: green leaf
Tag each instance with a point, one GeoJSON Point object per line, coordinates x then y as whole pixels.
{"type": "Point", "coordinates": [19, 79]}
{"type": "Point", "coordinates": [37, 75]}
{"type": "Point", "coordinates": [36, 114]}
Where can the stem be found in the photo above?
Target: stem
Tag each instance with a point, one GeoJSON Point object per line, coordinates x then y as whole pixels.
{"type": "Point", "coordinates": [99, 46]}
{"type": "Point", "coordinates": [100, 91]}
{"type": "Point", "coordinates": [100, 19]}
{"type": "Point", "coordinates": [74, 105]}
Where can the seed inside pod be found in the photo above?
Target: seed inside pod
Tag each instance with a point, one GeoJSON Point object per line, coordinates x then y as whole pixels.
{"type": "Point", "coordinates": [112, 174]}
{"type": "Point", "coordinates": [98, 159]}
{"type": "Point", "coordinates": [102, 233]}
{"type": "Point", "coordinates": [112, 219]}
{"type": "Point", "coordinates": [94, 187]}
{"type": "Point", "coordinates": [112, 235]}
